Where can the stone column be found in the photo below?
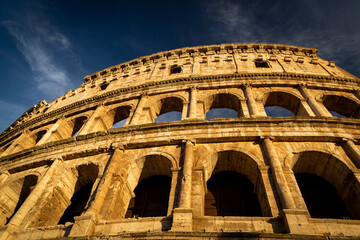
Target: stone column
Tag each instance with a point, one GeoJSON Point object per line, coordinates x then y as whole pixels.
{"type": "Point", "coordinates": [315, 106]}
{"type": "Point", "coordinates": [352, 151]}
{"type": "Point", "coordinates": [85, 224]}
{"type": "Point", "coordinates": [185, 110]}
{"type": "Point", "coordinates": [193, 102]}
{"type": "Point", "coordinates": [31, 200]}
{"type": "Point", "coordinates": [89, 125]}
{"type": "Point", "coordinates": [251, 101]}
{"type": "Point", "coordinates": [281, 185]}
{"type": "Point", "coordinates": [183, 215]}
{"type": "Point", "coordinates": [296, 220]}
{"type": "Point", "coordinates": [139, 108]}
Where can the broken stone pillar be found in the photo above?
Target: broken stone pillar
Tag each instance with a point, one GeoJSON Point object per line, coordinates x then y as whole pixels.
{"type": "Point", "coordinates": [183, 215]}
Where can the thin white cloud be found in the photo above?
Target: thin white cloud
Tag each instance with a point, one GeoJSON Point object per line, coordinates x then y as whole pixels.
{"type": "Point", "coordinates": [39, 42]}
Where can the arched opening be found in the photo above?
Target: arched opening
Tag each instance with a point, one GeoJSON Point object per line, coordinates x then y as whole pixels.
{"type": "Point", "coordinates": [13, 195]}
{"type": "Point", "coordinates": [231, 187]}
{"type": "Point", "coordinates": [152, 197]}
{"type": "Point", "coordinates": [328, 175]}
{"type": "Point", "coordinates": [340, 106]}
{"type": "Point", "coordinates": [282, 104]}
{"type": "Point", "coordinates": [321, 197]}
{"type": "Point", "coordinates": [168, 109]}
{"type": "Point", "coordinates": [153, 189]}
{"type": "Point", "coordinates": [223, 105]}
{"type": "Point", "coordinates": [119, 116]}
{"type": "Point", "coordinates": [39, 135]}
{"type": "Point", "coordinates": [81, 196]}
{"type": "Point", "coordinates": [231, 194]}
{"type": "Point", "coordinates": [78, 123]}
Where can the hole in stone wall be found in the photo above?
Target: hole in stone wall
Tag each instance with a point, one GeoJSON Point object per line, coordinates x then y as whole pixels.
{"type": "Point", "coordinates": [104, 86]}
{"type": "Point", "coordinates": [261, 64]}
{"type": "Point", "coordinates": [321, 197]}
{"type": "Point", "coordinates": [176, 69]}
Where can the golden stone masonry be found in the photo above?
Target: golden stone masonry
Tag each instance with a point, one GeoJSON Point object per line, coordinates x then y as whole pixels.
{"type": "Point", "coordinates": [99, 163]}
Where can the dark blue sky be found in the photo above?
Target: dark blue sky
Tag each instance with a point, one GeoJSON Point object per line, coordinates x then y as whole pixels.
{"type": "Point", "coordinates": [47, 47]}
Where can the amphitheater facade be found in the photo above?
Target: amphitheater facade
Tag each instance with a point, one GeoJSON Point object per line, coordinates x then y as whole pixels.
{"type": "Point", "coordinates": [97, 163]}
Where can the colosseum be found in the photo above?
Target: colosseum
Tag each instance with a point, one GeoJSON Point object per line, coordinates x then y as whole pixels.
{"type": "Point", "coordinates": [229, 141]}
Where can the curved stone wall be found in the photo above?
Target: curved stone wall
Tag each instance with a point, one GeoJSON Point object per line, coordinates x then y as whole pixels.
{"type": "Point", "coordinates": [100, 159]}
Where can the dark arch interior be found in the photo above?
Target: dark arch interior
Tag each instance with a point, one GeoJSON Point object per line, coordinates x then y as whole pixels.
{"type": "Point", "coordinates": [341, 105]}
{"type": "Point", "coordinates": [79, 122]}
{"type": "Point", "coordinates": [321, 197]}
{"type": "Point", "coordinates": [39, 135]}
{"type": "Point", "coordinates": [231, 194]}
{"type": "Point", "coordinates": [170, 110]}
{"type": "Point", "coordinates": [284, 101]}
{"type": "Point", "coordinates": [151, 197]}
{"type": "Point", "coordinates": [223, 105]}
{"type": "Point", "coordinates": [27, 186]}
{"type": "Point", "coordinates": [120, 116]}
{"type": "Point", "coordinates": [83, 186]}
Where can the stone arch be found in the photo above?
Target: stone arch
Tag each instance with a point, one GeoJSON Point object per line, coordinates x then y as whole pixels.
{"type": "Point", "coordinates": [166, 105]}
{"type": "Point", "coordinates": [286, 100]}
{"type": "Point", "coordinates": [14, 193]}
{"type": "Point", "coordinates": [209, 160]}
{"type": "Point", "coordinates": [56, 206]}
{"type": "Point", "coordinates": [223, 100]}
{"type": "Point", "coordinates": [343, 105]}
{"type": "Point", "coordinates": [241, 163]}
{"type": "Point", "coordinates": [327, 166]}
{"type": "Point", "coordinates": [143, 169]}
{"type": "Point", "coordinates": [291, 158]}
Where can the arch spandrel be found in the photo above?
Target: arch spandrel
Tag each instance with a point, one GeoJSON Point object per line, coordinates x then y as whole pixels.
{"type": "Point", "coordinates": [209, 160]}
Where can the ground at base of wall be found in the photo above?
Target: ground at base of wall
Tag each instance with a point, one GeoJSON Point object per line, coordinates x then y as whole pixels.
{"type": "Point", "coordinates": [210, 236]}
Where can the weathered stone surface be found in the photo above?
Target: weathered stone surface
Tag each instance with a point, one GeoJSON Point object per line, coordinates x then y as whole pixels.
{"type": "Point", "coordinates": [68, 172]}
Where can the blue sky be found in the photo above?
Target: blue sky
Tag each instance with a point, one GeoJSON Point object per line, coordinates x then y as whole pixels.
{"type": "Point", "coordinates": [47, 47]}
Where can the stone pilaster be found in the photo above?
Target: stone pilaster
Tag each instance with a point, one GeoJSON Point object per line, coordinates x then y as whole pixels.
{"type": "Point", "coordinates": [352, 151]}
{"type": "Point", "coordinates": [136, 117]}
{"type": "Point", "coordinates": [251, 101]}
{"type": "Point", "coordinates": [89, 125]}
{"type": "Point", "coordinates": [53, 128]}
{"type": "Point", "coordinates": [315, 106]}
{"type": "Point", "coordinates": [85, 224]}
{"type": "Point", "coordinates": [193, 102]}
{"type": "Point", "coordinates": [183, 215]}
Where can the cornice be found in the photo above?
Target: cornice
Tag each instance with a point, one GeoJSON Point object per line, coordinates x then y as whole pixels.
{"type": "Point", "coordinates": [104, 139]}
